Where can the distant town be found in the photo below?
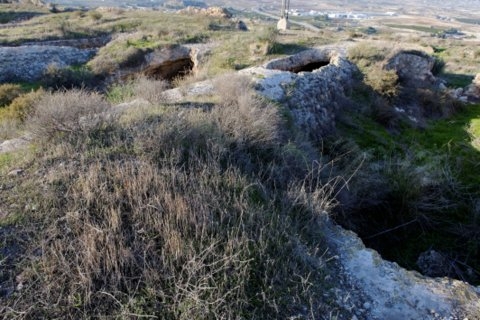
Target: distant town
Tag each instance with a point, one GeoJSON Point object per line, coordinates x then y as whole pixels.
{"type": "Point", "coordinates": [338, 15]}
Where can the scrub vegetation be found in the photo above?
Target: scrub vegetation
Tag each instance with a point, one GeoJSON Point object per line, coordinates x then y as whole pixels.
{"type": "Point", "coordinates": [212, 208]}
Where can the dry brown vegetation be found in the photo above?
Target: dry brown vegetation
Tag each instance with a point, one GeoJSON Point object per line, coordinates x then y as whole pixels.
{"type": "Point", "coordinates": [210, 211]}
{"type": "Point", "coordinates": [178, 213]}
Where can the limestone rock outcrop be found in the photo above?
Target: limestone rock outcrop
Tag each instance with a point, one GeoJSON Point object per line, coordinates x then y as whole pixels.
{"type": "Point", "coordinates": [168, 63]}
{"type": "Point", "coordinates": [381, 289]}
{"type": "Point", "coordinates": [83, 43]}
{"type": "Point", "coordinates": [28, 63]}
{"type": "Point", "coordinates": [34, 2]}
{"type": "Point", "coordinates": [14, 144]}
{"type": "Point", "coordinates": [473, 90]}
{"type": "Point", "coordinates": [311, 84]}
{"type": "Point", "coordinates": [414, 68]}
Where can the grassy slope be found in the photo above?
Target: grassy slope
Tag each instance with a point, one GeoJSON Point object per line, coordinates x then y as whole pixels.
{"type": "Point", "coordinates": [432, 177]}
{"type": "Point", "coordinates": [455, 137]}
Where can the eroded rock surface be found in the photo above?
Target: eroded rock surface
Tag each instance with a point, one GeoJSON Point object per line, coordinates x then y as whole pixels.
{"type": "Point", "coordinates": [28, 63]}
{"type": "Point", "coordinates": [84, 43]}
{"type": "Point", "coordinates": [14, 144]}
{"type": "Point", "coordinates": [312, 97]}
{"type": "Point", "coordinates": [169, 62]}
{"type": "Point", "coordinates": [472, 92]}
{"type": "Point", "coordinates": [413, 68]}
{"type": "Point", "coordinates": [384, 290]}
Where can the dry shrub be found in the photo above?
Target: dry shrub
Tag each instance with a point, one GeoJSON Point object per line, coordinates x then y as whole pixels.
{"type": "Point", "coordinates": [384, 82]}
{"type": "Point", "coordinates": [436, 104]}
{"type": "Point", "coordinates": [384, 112]}
{"type": "Point", "coordinates": [133, 227]}
{"type": "Point", "coordinates": [149, 89]}
{"type": "Point", "coordinates": [249, 121]}
{"type": "Point", "coordinates": [66, 112]}
{"type": "Point", "coordinates": [200, 241]}
{"type": "Point", "coordinates": [244, 116]}
{"type": "Point", "coordinates": [230, 87]}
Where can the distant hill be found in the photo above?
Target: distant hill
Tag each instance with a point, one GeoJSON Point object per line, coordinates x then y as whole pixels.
{"type": "Point", "coordinates": [35, 2]}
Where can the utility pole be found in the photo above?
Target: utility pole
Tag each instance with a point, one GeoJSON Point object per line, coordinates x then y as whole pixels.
{"type": "Point", "coordinates": [283, 22]}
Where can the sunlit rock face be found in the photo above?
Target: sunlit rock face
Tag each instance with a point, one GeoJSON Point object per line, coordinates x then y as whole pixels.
{"type": "Point", "coordinates": [312, 84]}
{"type": "Point", "coordinates": [381, 289]}
{"type": "Point", "coordinates": [413, 68]}
{"type": "Point", "coordinates": [28, 63]}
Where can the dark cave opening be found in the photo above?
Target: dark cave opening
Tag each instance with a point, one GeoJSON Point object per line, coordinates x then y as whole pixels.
{"type": "Point", "coordinates": [309, 67]}
{"type": "Point", "coordinates": [171, 69]}
{"type": "Point", "coordinates": [415, 240]}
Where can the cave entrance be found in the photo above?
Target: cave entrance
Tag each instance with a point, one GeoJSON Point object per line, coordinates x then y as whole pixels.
{"type": "Point", "coordinates": [416, 240]}
{"type": "Point", "coordinates": [309, 67]}
{"type": "Point", "coordinates": [171, 69]}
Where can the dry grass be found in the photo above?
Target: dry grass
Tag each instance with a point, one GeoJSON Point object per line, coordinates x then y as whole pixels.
{"type": "Point", "coordinates": [66, 112]}
{"type": "Point", "coordinates": [149, 89]}
{"type": "Point", "coordinates": [184, 214]}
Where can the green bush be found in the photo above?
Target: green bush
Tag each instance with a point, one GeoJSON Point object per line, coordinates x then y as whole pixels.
{"type": "Point", "coordinates": [21, 106]}
{"type": "Point", "coordinates": [8, 92]}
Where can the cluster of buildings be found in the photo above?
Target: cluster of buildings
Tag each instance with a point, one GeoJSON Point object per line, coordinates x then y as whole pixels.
{"type": "Point", "coordinates": [334, 15]}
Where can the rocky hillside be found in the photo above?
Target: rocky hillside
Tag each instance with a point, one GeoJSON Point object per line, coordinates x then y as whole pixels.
{"type": "Point", "coordinates": [151, 167]}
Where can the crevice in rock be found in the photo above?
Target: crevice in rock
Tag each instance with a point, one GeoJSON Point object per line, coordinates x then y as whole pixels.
{"type": "Point", "coordinates": [309, 67]}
